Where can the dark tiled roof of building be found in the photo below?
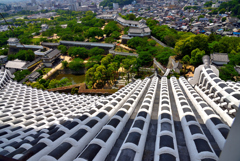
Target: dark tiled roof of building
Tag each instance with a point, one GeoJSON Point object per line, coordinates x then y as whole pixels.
{"type": "Point", "coordinates": [52, 54]}
{"type": "Point", "coordinates": [220, 57]}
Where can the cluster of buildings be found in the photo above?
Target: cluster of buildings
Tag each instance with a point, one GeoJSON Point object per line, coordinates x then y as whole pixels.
{"type": "Point", "coordinates": [172, 13]}
{"type": "Point", "coordinates": [169, 13]}
{"type": "Point", "coordinates": [38, 5]}
{"type": "Point", "coordinates": [136, 28]}
{"type": "Point", "coordinates": [44, 55]}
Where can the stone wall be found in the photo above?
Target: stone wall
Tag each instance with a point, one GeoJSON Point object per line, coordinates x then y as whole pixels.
{"type": "Point", "coordinates": [66, 89]}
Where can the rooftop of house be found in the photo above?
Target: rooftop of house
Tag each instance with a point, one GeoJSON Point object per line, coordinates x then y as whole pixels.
{"type": "Point", "coordinates": [16, 64]}
{"type": "Point", "coordinates": [219, 57]}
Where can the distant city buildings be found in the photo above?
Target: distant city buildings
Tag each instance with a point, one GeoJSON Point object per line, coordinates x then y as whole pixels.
{"type": "Point", "coordinates": [115, 6]}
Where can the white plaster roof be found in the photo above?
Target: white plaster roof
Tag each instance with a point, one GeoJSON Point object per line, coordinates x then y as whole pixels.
{"type": "Point", "coordinates": [150, 119]}
{"type": "Point", "coordinates": [16, 64]}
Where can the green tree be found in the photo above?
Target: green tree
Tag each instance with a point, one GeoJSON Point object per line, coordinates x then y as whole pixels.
{"type": "Point", "coordinates": [27, 55]}
{"type": "Point", "coordinates": [163, 55]}
{"type": "Point", "coordinates": [196, 57]}
{"type": "Point", "coordinates": [37, 85]}
{"type": "Point", "coordinates": [94, 31]}
{"type": "Point", "coordinates": [227, 72]}
{"type": "Point", "coordinates": [144, 58]}
{"type": "Point", "coordinates": [58, 83]}
{"type": "Point", "coordinates": [64, 64]}
{"type": "Point", "coordinates": [96, 51]}
{"type": "Point", "coordinates": [107, 60]}
{"type": "Point", "coordinates": [109, 40]}
{"type": "Point", "coordinates": [201, 16]}
{"type": "Point", "coordinates": [93, 60]}
{"type": "Point", "coordinates": [186, 59]}
{"type": "Point", "coordinates": [20, 75]}
{"type": "Point", "coordinates": [90, 76]}
{"type": "Point", "coordinates": [137, 41]}
{"type": "Point", "coordinates": [4, 52]}
{"type": "Point", "coordinates": [208, 4]}
{"type": "Point", "coordinates": [78, 29]}
{"type": "Point", "coordinates": [80, 52]}
{"type": "Point", "coordinates": [108, 30]}
{"type": "Point", "coordinates": [76, 64]}
{"type": "Point", "coordinates": [224, 19]}
{"type": "Point", "coordinates": [63, 49]}
{"type": "Point", "coordinates": [211, 38]}
{"type": "Point", "coordinates": [131, 16]}
{"type": "Point", "coordinates": [115, 35]}
{"type": "Point", "coordinates": [223, 10]}
{"type": "Point", "coordinates": [11, 57]}
{"type": "Point", "coordinates": [152, 42]}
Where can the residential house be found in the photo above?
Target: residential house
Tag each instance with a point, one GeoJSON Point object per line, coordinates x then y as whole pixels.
{"type": "Point", "coordinates": [219, 59]}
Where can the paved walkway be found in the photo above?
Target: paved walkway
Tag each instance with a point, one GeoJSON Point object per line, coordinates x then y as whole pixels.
{"type": "Point", "coordinates": [59, 66]}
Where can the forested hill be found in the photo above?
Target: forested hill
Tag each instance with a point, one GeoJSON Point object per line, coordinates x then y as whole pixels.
{"type": "Point", "coordinates": [233, 6]}
{"type": "Point", "coordinates": [109, 3]}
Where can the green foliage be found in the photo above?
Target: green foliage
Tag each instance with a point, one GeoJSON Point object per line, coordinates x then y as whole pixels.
{"type": "Point", "coordinates": [126, 30]}
{"type": "Point", "coordinates": [144, 59]}
{"type": "Point", "coordinates": [76, 64]}
{"type": "Point", "coordinates": [163, 55]}
{"type": "Point", "coordinates": [115, 35]}
{"type": "Point", "coordinates": [110, 28]}
{"type": "Point", "coordinates": [98, 75]}
{"type": "Point", "coordinates": [118, 59]}
{"type": "Point", "coordinates": [233, 6]}
{"type": "Point", "coordinates": [208, 4]}
{"type": "Point", "coordinates": [186, 59]}
{"type": "Point", "coordinates": [20, 75]}
{"type": "Point", "coordinates": [4, 52]}
{"type": "Point", "coordinates": [94, 31]}
{"type": "Point", "coordinates": [223, 10]}
{"type": "Point", "coordinates": [201, 16]}
{"type": "Point", "coordinates": [58, 83]}
{"type": "Point", "coordinates": [185, 47]}
{"type": "Point", "coordinates": [130, 17]}
{"type": "Point", "coordinates": [93, 60]}
{"type": "Point", "coordinates": [11, 57]}
{"type": "Point", "coordinates": [78, 29]}
{"type": "Point", "coordinates": [63, 49]}
{"type": "Point", "coordinates": [165, 34]}
{"type": "Point", "coordinates": [128, 63]}
{"type": "Point", "coordinates": [74, 90]}
{"type": "Point", "coordinates": [137, 41]}
{"type": "Point", "coordinates": [79, 52]}
{"type": "Point", "coordinates": [64, 64]}
{"type": "Point", "coordinates": [227, 72]}
{"type": "Point", "coordinates": [109, 40]}
{"type": "Point", "coordinates": [234, 58]}
{"type": "Point", "coordinates": [224, 19]}
{"type": "Point", "coordinates": [152, 42]}
{"type": "Point", "coordinates": [27, 55]}
{"type": "Point", "coordinates": [196, 57]}
{"type": "Point", "coordinates": [190, 7]}
{"type": "Point", "coordinates": [96, 51]}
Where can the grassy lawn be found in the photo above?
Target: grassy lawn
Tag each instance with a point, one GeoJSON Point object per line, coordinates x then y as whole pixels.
{"type": "Point", "coordinates": [119, 49]}
{"type": "Point", "coordinates": [34, 40]}
{"type": "Point", "coordinates": [46, 70]}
